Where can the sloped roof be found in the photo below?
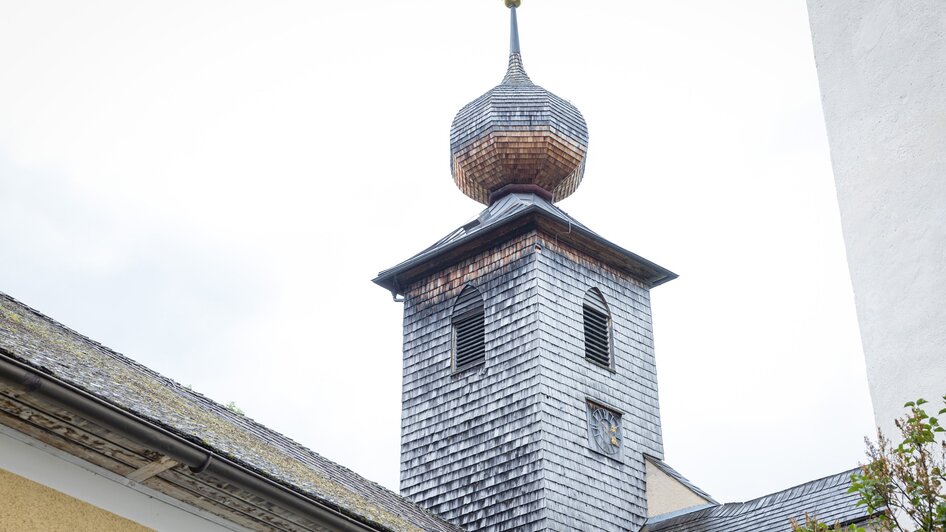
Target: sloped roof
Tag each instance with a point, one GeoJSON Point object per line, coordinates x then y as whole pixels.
{"type": "Point", "coordinates": [37, 341]}
{"type": "Point", "coordinates": [506, 213]}
{"type": "Point", "coordinates": [503, 209]}
{"type": "Point", "coordinates": [827, 499]}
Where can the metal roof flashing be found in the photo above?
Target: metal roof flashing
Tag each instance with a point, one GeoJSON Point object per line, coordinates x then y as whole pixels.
{"type": "Point", "coordinates": [509, 216]}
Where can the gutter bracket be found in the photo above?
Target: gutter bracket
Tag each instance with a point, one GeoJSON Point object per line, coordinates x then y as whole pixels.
{"type": "Point", "coordinates": [203, 467]}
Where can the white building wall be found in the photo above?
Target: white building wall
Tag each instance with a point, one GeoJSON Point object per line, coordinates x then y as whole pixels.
{"type": "Point", "coordinates": [36, 461]}
{"type": "Point", "coordinates": [882, 69]}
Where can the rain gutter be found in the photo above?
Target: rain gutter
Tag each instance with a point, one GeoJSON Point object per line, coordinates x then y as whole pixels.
{"type": "Point", "coordinates": [198, 459]}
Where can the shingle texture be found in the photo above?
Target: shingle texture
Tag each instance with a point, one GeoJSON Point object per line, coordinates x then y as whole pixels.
{"type": "Point", "coordinates": [518, 133]}
{"type": "Point", "coordinates": [826, 498]}
{"type": "Point", "coordinates": [501, 212]}
{"type": "Point", "coordinates": [49, 347]}
{"type": "Point", "coordinates": [587, 490]}
{"type": "Point", "coordinates": [507, 446]}
{"type": "Point", "coordinates": [469, 440]}
{"type": "Point", "coordinates": [506, 211]}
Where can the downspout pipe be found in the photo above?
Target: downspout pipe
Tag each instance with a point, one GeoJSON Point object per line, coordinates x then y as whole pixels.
{"type": "Point", "coordinates": [161, 440]}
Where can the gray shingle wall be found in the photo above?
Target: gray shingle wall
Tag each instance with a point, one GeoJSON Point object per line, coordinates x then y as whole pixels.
{"type": "Point", "coordinates": [506, 446]}
{"type": "Point", "coordinates": [588, 490]}
{"type": "Point", "coordinates": [470, 441]}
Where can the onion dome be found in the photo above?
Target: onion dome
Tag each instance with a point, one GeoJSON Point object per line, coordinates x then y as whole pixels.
{"type": "Point", "coordinates": [518, 137]}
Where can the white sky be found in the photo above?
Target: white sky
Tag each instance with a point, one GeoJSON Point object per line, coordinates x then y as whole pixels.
{"type": "Point", "coordinates": [208, 188]}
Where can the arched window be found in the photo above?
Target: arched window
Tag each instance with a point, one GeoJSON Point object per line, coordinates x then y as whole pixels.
{"type": "Point", "coordinates": [597, 328]}
{"type": "Point", "coordinates": [469, 330]}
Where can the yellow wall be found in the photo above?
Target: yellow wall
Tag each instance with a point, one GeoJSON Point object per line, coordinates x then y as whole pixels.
{"type": "Point", "coordinates": [666, 494]}
{"type": "Point", "coordinates": [26, 506]}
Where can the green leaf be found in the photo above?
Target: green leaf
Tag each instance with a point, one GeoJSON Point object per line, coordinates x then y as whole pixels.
{"type": "Point", "coordinates": [909, 404]}
{"type": "Point", "coordinates": [921, 402]}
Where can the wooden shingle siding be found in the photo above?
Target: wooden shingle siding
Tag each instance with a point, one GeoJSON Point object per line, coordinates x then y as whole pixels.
{"type": "Point", "coordinates": [470, 441]}
{"type": "Point", "coordinates": [586, 489]}
{"type": "Point", "coordinates": [506, 446]}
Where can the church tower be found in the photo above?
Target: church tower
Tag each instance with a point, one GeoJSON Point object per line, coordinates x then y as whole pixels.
{"type": "Point", "coordinates": [529, 384]}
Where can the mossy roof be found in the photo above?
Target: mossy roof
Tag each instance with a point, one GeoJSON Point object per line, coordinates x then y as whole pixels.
{"type": "Point", "coordinates": [48, 346]}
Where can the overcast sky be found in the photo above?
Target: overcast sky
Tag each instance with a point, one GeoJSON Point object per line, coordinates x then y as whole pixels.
{"type": "Point", "coordinates": [209, 187]}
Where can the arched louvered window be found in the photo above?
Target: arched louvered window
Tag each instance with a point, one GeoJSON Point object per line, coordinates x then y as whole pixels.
{"type": "Point", "coordinates": [597, 328]}
{"type": "Point", "coordinates": [469, 330]}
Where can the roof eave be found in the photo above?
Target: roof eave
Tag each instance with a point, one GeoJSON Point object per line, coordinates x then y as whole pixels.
{"type": "Point", "coordinates": [661, 275]}
{"type": "Point", "coordinates": [390, 278]}
{"type": "Point", "coordinates": [198, 458]}
{"type": "Point", "coordinates": [648, 272]}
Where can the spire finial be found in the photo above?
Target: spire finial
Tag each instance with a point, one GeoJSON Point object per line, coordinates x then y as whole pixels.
{"type": "Point", "coordinates": [518, 137]}
{"type": "Point", "coordinates": [515, 75]}
{"type": "Point", "coordinates": [513, 26]}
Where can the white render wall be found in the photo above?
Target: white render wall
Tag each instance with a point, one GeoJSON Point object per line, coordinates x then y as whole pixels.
{"type": "Point", "coordinates": [36, 461]}
{"type": "Point", "coordinates": [882, 70]}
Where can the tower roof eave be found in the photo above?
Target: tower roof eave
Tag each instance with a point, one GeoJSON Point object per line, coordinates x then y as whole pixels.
{"type": "Point", "coordinates": [511, 215]}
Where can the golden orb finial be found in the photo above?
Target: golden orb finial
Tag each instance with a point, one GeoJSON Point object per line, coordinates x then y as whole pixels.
{"type": "Point", "coordinates": [513, 3]}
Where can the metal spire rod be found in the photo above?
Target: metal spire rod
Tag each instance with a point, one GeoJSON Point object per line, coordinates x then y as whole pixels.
{"type": "Point", "coordinates": [513, 26]}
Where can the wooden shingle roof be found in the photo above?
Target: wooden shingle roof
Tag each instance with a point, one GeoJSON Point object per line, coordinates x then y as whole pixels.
{"type": "Point", "coordinates": [516, 212]}
{"type": "Point", "coordinates": [827, 499]}
{"type": "Point", "coordinates": [518, 133]}
{"type": "Point", "coordinates": [48, 351]}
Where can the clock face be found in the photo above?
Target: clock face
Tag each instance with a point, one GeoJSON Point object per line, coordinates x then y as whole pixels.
{"type": "Point", "coordinates": [605, 430]}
